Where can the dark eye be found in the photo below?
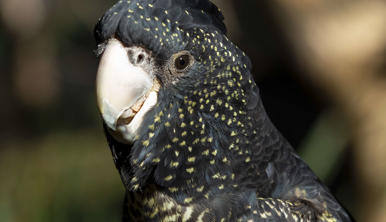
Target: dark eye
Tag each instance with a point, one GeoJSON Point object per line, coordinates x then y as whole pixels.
{"type": "Point", "coordinates": [182, 62]}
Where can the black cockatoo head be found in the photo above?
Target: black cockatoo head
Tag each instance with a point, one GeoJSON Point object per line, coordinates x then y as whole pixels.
{"type": "Point", "coordinates": [176, 96]}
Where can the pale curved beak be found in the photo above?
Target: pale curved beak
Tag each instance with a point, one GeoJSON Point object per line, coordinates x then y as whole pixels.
{"type": "Point", "coordinates": [122, 83]}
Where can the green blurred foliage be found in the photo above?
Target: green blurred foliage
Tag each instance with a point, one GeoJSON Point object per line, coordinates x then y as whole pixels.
{"type": "Point", "coordinates": [63, 176]}
{"type": "Point", "coordinates": [324, 146]}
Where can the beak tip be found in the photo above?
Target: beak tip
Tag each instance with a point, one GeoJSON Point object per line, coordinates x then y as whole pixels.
{"type": "Point", "coordinates": [109, 115]}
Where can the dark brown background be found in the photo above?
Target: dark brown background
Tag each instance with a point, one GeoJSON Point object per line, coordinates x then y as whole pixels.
{"type": "Point", "coordinates": [320, 66]}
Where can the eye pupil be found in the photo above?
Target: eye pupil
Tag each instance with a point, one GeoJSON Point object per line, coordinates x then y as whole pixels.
{"type": "Point", "coordinates": [182, 62]}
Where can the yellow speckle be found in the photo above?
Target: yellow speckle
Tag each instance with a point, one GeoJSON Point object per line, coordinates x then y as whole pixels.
{"type": "Point", "coordinates": [190, 170]}
{"type": "Point", "coordinates": [191, 159]}
{"type": "Point", "coordinates": [188, 200]}
{"type": "Point", "coordinates": [146, 143]}
{"type": "Point", "coordinates": [183, 143]}
{"type": "Point", "coordinates": [150, 202]}
{"type": "Point", "coordinates": [205, 152]}
{"type": "Point", "coordinates": [196, 141]}
{"type": "Point", "coordinates": [173, 189]}
{"type": "Point", "coordinates": [247, 159]}
{"type": "Point", "coordinates": [221, 187]}
{"type": "Point", "coordinates": [170, 218]}
{"type": "Point", "coordinates": [156, 160]}
{"type": "Point", "coordinates": [216, 176]}
{"type": "Point", "coordinates": [187, 214]}
{"type": "Point", "coordinates": [202, 214]}
{"type": "Point", "coordinates": [168, 178]}
{"type": "Point", "coordinates": [200, 189]}
{"type": "Point", "coordinates": [174, 164]}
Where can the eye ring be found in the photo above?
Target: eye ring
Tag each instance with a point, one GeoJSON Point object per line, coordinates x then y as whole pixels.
{"type": "Point", "coordinates": [181, 62]}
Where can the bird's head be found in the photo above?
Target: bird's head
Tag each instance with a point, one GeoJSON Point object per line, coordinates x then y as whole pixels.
{"type": "Point", "coordinates": [175, 94]}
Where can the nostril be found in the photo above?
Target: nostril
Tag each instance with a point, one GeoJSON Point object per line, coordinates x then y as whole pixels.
{"type": "Point", "coordinates": [130, 53]}
{"type": "Point", "coordinates": [140, 58]}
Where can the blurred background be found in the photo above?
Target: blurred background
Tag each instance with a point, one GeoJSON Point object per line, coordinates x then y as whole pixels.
{"type": "Point", "coordinates": [320, 66]}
